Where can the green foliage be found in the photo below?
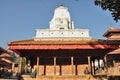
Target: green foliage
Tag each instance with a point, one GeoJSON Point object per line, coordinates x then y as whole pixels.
{"type": "Point", "coordinates": [24, 63]}
{"type": "Point", "coordinates": [15, 57]}
{"type": "Point", "coordinates": [112, 5]}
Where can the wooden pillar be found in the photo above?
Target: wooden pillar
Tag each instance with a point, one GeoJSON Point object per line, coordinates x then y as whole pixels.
{"type": "Point", "coordinates": [54, 66]}
{"type": "Point", "coordinates": [44, 69]}
{"type": "Point", "coordinates": [72, 65]}
{"type": "Point", "coordinates": [13, 67]}
{"type": "Point", "coordinates": [38, 59]}
{"type": "Point", "coordinates": [98, 64]}
{"type": "Point", "coordinates": [105, 62]}
{"type": "Point", "coordinates": [60, 69]}
{"type": "Point", "coordinates": [20, 65]}
{"type": "Point", "coordinates": [114, 63]}
{"type": "Point", "coordinates": [89, 65]}
{"type": "Point", "coordinates": [76, 69]}
{"type": "Point", "coordinates": [93, 66]}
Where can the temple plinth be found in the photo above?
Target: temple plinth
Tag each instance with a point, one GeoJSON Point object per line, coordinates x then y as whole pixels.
{"type": "Point", "coordinates": [63, 52]}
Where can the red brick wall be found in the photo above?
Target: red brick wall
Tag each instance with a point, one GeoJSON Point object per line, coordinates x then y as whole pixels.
{"type": "Point", "coordinates": [65, 70]}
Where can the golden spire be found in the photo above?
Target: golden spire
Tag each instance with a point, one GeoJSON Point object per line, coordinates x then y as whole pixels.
{"type": "Point", "coordinates": [61, 4]}
{"type": "Point", "coordinates": [111, 27]}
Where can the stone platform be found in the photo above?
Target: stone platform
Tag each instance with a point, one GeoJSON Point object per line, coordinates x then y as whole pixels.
{"type": "Point", "coordinates": [24, 77]}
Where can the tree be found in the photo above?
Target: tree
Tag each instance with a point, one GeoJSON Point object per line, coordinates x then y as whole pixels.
{"type": "Point", "coordinates": [26, 65]}
{"type": "Point", "coordinates": [15, 57]}
{"type": "Point", "coordinates": [112, 5]}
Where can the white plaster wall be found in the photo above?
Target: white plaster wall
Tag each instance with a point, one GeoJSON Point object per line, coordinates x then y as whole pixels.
{"type": "Point", "coordinates": [62, 33]}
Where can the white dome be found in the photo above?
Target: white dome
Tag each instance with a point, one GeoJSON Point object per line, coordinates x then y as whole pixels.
{"type": "Point", "coordinates": [61, 19]}
{"type": "Point", "coordinates": [62, 12]}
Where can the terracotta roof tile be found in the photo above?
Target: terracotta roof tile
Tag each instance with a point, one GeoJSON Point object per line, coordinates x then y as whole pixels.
{"type": "Point", "coordinates": [60, 42]}
{"type": "Point", "coordinates": [110, 31]}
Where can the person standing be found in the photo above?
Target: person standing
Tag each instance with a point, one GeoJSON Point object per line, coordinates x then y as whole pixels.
{"type": "Point", "coordinates": [87, 73]}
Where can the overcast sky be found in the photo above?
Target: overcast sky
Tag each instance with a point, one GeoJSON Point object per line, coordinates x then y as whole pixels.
{"type": "Point", "coordinates": [20, 18]}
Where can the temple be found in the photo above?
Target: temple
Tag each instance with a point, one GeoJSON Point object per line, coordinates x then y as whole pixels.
{"type": "Point", "coordinates": [5, 59]}
{"type": "Point", "coordinates": [63, 52]}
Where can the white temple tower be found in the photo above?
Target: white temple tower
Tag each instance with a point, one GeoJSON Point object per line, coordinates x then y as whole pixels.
{"type": "Point", "coordinates": [61, 27]}
{"type": "Point", "coordinates": [61, 19]}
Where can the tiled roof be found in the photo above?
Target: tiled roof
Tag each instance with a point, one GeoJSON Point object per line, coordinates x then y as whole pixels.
{"type": "Point", "coordinates": [110, 31]}
{"type": "Point", "coordinates": [3, 50]}
{"type": "Point", "coordinates": [60, 42]}
{"type": "Point", "coordinates": [5, 55]}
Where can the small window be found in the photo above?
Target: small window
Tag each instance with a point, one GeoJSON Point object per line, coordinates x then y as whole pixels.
{"type": "Point", "coordinates": [51, 33]}
{"type": "Point", "coordinates": [61, 32]}
{"type": "Point", "coordinates": [16, 65]}
{"type": "Point", "coordinates": [61, 28]}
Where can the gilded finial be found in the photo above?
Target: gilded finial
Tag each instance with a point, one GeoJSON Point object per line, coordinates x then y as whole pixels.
{"type": "Point", "coordinates": [111, 27]}
{"type": "Point", "coordinates": [61, 4]}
